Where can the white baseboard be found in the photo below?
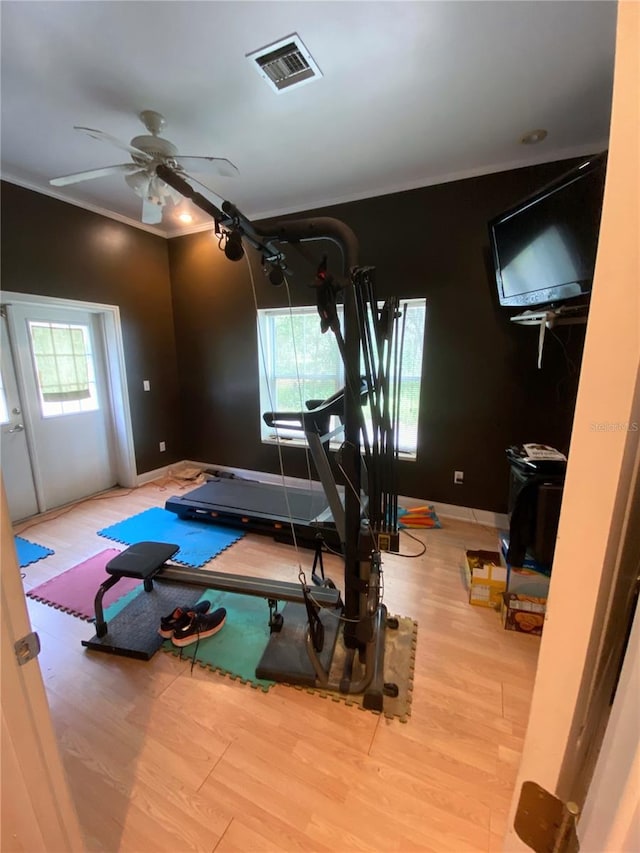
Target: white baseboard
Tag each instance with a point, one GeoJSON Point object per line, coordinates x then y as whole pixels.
{"type": "Point", "coordinates": [491, 519]}
{"type": "Point", "coordinates": [462, 513]}
{"type": "Point", "coordinates": [156, 474]}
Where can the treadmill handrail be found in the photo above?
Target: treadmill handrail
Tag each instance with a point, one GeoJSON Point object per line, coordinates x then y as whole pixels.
{"type": "Point", "coordinates": [317, 418]}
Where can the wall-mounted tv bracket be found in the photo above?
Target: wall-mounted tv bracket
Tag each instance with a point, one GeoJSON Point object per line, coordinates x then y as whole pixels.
{"type": "Point", "coordinates": [562, 315]}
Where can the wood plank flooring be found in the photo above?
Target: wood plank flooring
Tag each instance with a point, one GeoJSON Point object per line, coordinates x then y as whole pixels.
{"type": "Point", "coordinates": [160, 758]}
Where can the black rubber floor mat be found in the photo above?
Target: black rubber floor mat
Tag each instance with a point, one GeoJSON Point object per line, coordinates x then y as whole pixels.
{"type": "Point", "coordinates": [134, 631]}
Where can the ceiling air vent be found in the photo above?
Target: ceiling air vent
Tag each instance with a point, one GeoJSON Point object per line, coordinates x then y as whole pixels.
{"type": "Point", "coordinates": [285, 63]}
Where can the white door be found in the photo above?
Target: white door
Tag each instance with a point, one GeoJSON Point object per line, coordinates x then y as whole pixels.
{"type": "Point", "coordinates": [37, 810]}
{"type": "Point", "coordinates": [59, 356]}
{"type": "Point", "coordinates": [16, 464]}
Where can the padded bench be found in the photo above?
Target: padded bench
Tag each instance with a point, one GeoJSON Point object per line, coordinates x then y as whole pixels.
{"type": "Point", "coordinates": [142, 561]}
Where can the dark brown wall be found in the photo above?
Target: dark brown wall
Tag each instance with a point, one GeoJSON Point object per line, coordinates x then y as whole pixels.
{"type": "Point", "coordinates": [189, 325]}
{"type": "Point", "coordinates": [215, 322]}
{"type": "Point", "coordinates": [54, 249]}
{"type": "Point", "coordinates": [481, 391]}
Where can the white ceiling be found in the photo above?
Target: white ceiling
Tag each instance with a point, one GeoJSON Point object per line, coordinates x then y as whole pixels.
{"type": "Point", "coordinates": [412, 94]}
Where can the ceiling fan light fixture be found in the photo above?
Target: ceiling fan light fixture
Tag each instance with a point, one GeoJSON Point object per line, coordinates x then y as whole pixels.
{"type": "Point", "coordinates": [139, 182]}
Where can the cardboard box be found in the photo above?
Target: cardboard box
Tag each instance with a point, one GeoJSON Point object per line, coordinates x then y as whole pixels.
{"type": "Point", "coordinates": [530, 579]}
{"type": "Point", "coordinates": [528, 582]}
{"type": "Point", "coordinates": [523, 613]}
{"type": "Point", "coordinates": [486, 578]}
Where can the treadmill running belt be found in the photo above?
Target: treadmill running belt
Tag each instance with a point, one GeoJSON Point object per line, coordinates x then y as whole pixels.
{"type": "Point", "coordinates": [289, 515]}
{"type": "Point", "coordinates": [266, 499]}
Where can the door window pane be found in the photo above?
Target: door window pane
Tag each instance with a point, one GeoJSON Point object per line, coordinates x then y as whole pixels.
{"type": "Point", "coordinates": [64, 368]}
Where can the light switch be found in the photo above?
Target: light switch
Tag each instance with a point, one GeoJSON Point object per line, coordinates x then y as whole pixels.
{"type": "Point", "coordinates": [146, 385]}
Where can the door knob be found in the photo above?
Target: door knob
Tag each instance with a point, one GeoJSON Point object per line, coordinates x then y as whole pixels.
{"type": "Point", "coordinates": [16, 428]}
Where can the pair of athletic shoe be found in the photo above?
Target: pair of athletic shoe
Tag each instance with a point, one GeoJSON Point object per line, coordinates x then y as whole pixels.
{"type": "Point", "coordinates": [186, 625]}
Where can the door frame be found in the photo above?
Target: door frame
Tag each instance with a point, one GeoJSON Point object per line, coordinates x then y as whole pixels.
{"type": "Point", "coordinates": [116, 379]}
{"type": "Point", "coordinates": [16, 454]}
{"type": "Point", "coordinates": [600, 475]}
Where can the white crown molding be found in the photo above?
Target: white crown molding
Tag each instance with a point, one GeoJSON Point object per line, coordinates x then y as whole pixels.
{"type": "Point", "coordinates": [550, 156]}
{"type": "Point", "coordinates": [93, 208]}
{"type": "Point", "coordinates": [189, 229]}
{"type": "Point", "coordinates": [557, 155]}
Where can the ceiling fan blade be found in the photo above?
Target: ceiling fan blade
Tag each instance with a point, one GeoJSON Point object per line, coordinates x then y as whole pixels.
{"type": "Point", "coordinates": [106, 137]}
{"type": "Point", "coordinates": [211, 165]}
{"type": "Point", "coordinates": [92, 173]}
{"type": "Point", "coordinates": [151, 212]}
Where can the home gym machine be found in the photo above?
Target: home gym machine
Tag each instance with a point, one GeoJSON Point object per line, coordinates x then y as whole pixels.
{"type": "Point", "coordinates": [303, 638]}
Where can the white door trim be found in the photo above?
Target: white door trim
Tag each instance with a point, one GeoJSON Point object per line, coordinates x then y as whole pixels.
{"type": "Point", "coordinates": [125, 463]}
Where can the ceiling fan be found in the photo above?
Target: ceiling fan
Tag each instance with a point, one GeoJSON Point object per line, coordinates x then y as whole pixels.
{"type": "Point", "coordinates": [147, 152]}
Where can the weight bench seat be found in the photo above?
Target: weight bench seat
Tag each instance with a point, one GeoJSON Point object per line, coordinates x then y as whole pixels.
{"type": "Point", "coordinates": [142, 561]}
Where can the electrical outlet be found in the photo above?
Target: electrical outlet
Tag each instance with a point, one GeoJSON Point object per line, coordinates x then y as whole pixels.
{"type": "Point", "coordinates": [458, 477]}
{"type": "Point", "coordinates": [163, 446]}
{"type": "Point", "coordinates": [146, 385]}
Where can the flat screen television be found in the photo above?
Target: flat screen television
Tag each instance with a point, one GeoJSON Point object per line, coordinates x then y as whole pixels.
{"type": "Point", "coordinates": [544, 248]}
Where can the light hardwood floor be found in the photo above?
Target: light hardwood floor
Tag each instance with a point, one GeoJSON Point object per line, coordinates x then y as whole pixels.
{"type": "Point", "coordinates": [160, 758]}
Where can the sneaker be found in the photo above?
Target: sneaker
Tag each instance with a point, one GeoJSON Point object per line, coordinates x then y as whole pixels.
{"type": "Point", "coordinates": [181, 617]}
{"type": "Point", "coordinates": [200, 627]}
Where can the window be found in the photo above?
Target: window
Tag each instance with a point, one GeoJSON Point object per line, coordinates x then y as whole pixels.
{"type": "Point", "coordinates": [299, 363]}
{"type": "Point", "coordinates": [64, 368]}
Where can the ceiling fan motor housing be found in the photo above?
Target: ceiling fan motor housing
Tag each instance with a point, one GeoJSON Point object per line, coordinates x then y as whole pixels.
{"type": "Point", "coordinates": [154, 146]}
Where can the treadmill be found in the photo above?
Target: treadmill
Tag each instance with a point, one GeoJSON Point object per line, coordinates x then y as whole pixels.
{"type": "Point", "coordinates": [311, 516]}
{"type": "Point", "coordinates": [261, 508]}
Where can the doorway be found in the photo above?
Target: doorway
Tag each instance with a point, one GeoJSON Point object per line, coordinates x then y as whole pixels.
{"type": "Point", "coordinates": [66, 431]}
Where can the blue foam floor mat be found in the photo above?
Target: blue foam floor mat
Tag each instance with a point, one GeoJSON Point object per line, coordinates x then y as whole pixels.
{"type": "Point", "coordinates": [29, 552]}
{"type": "Point", "coordinates": [199, 542]}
